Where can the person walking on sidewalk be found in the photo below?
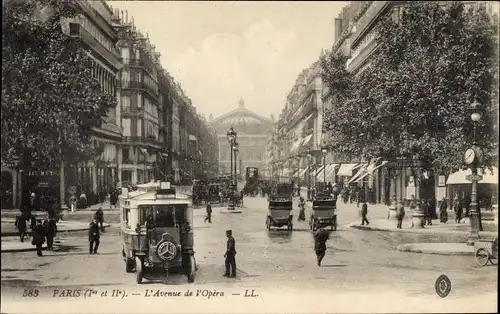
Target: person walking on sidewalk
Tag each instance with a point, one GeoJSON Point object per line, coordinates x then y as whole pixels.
{"type": "Point", "coordinates": [38, 237]}
{"type": "Point", "coordinates": [443, 214]}
{"type": "Point", "coordinates": [94, 237]}
{"type": "Point", "coordinates": [400, 213]}
{"type": "Point", "coordinates": [50, 232]}
{"type": "Point", "coordinates": [21, 226]}
{"type": "Point", "coordinates": [230, 255]}
{"type": "Point", "coordinates": [457, 208]}
{"type": "Point", "coordinates": [364, 213]}
{"type": "Point", "coordinates": [209, 213]}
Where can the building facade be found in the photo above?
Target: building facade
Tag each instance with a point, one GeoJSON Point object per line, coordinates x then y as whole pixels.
{"type": "Point", "coordinates": [252, 131]}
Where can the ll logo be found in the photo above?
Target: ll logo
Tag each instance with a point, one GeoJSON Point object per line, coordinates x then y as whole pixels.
{"type": "Point", "coordinates": [443, 286]}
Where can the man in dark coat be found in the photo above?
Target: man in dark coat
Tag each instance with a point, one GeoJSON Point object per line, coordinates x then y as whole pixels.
{"type": "Point", "coordinates": [38, 237]}
{"type": "Point", "coordinates": [32, 222]}
{"type": "Point", "coordinates": [457, 207]}
{"type": "Point", "coordinates": [21, 226]}
{"type": "Point", "coordinates": [50, 232]}
{"type": "Point", "coordinates": [443, 214]}
{"type": "Point", "coordinates": [94, 237]}
{"type": "Point", "coordinates": [230, 255]}
{"type": "Point", "coordinates": [209, 213]}
{"type": "Point", "coordinates": [320, 238]}
{"type": "Point", "coordinates": [364, 213]}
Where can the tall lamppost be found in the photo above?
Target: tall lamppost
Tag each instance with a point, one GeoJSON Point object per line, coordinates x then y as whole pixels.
{"type": "Point", "coordinates": [236, 150]}
{"type": "Point", "coordinates": [309, 164]}
{"type": "Point", "coordinates": [474, 157]}
{"type": "Point", "coordinates": [324, 150]}
{"type": "Point", "coordinates": [231, 137]}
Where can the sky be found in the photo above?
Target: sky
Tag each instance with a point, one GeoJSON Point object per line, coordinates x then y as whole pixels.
{"type": "Point", "coordinates": [223, 51]}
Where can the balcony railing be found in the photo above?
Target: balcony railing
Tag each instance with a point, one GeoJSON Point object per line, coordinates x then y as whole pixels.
{"type": "Point", "coordinates": [76, 29]}
{"type": "Point", "coordinates": [141, 140]}
{"type": "Point", "coordinates": [367, 20]}
{"type": "Point", "coordinates": [140, 85]}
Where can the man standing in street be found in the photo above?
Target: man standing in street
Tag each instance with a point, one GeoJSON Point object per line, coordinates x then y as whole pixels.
{"type": "Point", "coordinates": [209, 213]}
{"type": "Point", "coordinates": [230, 255]}
{"type": "Point", "coordinates": [320, 238]}
{"type": "Point", "coordinates": [50, 232]}
{"type": "Point", "coordinates": [94, 237]}
{"type": "Point", "coordinates": [364, 213]}
{"type": "Point", "coordinates": [400, 213]}
{"type": "Point", "coordinates": [38, 237]}
{"type": "Point", "coordinates": [21, 226]}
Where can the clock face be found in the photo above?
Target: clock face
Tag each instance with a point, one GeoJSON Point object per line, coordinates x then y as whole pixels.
{"type": "Point", "coordinates": [469, 157]}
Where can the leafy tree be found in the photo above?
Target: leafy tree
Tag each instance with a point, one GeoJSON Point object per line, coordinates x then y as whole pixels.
{"type": "Point", "coordinates": [412, 100]}
{"type": "Point", "coordinates": [50, 101]}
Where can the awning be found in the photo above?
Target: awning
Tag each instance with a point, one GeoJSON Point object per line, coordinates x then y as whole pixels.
{"type": "Point", "coordinates": [307, 139]}
{"type": "Point", "coordinates": [459, 177]}
{"type": "Point", "coordinates": [294, 172]}
{"type": "Point", "coordinates": [144, 151]}
{"type": "Point", "coordinates": [320, 170]}
{"type": "Point", "coordinates": [296, 145]}
{"type": "Point", "coordinates": [192, 137]}
{"type": "Point", "coordinates": [330, 169]}
{"type": "Point", "coordinates": [366, 171]}
{"type": "Point", "coordinates": [326, 169]}
{"type": "Point", "coordinates": [303, 171]}
{"type": "Point", "coordinates": [346, 169]}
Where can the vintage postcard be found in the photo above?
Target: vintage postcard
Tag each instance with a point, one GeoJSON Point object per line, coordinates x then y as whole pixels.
{"type": "Point", "coordinates": [249, 157]}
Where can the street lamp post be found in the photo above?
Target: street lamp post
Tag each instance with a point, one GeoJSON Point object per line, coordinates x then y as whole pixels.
{"type": "Point", "coordinates": [324, 150]}
{"type": "Point", "coordinates": [231, 137]}
{"type": "Point", "coordinates": [473, 157]}
{"type": "Point", "coordinates": [236, 150]}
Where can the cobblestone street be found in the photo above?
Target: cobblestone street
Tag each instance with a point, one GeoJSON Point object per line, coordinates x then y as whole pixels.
{"type": "Point", "coordinates": [357, 262]}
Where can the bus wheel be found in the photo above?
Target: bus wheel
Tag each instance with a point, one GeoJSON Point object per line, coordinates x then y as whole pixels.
{"type": "Point", "coordinates": [139, 270]}
{"type": "Point", "coordinates": [191, 270]}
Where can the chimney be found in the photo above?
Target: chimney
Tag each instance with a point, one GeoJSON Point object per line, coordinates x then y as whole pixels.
{"type": "Point", "coordinates": [338, 29]}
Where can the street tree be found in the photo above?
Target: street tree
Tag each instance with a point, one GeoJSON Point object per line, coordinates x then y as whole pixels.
{"type": "Point", "coordinates": [50, 100]}
{"type": "Point", "coordinates": [411, 101]}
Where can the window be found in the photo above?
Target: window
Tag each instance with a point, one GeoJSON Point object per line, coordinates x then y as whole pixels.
{"type": "Point", "coordinates": [138, 76]}
{"type": "Point", "coordinates": [125, 103]}
{"type": "Point", "coordinates": [126, 127]}
{"type": "Point", "coordinates": [125, 157]}
{"type": "Point", "coordinates": [139, 100]}
{"type": "Point", "coordinates": [125, 53]}
{"type": "Point", "coordinates": [168, 216]}
{"type": "Point", "coordinates": [125, 77]}
{"type": "Point", "coordinates": [139, 127]}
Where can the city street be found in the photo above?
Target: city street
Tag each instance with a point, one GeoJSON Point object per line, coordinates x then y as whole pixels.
{"type": "Point", "coordinates": [275, 264]}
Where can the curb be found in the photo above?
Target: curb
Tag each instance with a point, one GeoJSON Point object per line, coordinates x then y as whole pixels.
{"type": "Point", "coordinates": [29, 233]}
{"type": "Point", "coordinates": [432, 231]}
{"type": "Point", "coordinates": [31, 249]}
{"type": "Point", "coordinates": [408, 248]}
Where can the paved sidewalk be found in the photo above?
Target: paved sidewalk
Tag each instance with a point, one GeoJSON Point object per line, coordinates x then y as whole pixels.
{"type": "Point", "coordinates": [438, 248]}
{"type": "Point", "coordinates": [26, 246]}
{"type": "Point", "coordinates": [62, 226]}
{"type": "Point", "coordinates": [491, 229]}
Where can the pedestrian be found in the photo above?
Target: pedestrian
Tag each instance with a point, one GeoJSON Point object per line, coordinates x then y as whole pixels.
{"type": "Point", "coordinates": [443, 214]}
{"type": "Point", "coordinates": [209, 212]}
{"type": "Point", "coordinates": [94, 237]}
{"type": "Point", "coordinates": [113, 199]}
{"type": "Point", "coordinates": [364, 213]}
{"type": "Point", "coordinates": [38, 237]}
{"type": "Point", "coordinates": [50, 232]}
{"type": "Point", "coordinates": [99, 217]}
{"type": "Point", "coordinates": [32, 222]}
{"type": "Point", "coordinates": [400, 213]}
{"type": "Point", "coordinates": [320, 238]}
{"type": "Point", "coordinates": [457, 208]}
{"type": "Point", "coordinates": [466, 204]}
{"type": "Point", "coordinates": [302, 209]}
{"type": "Point", "coordinates": [230, 255]}
{"type": "Point", "coordinates": [20, 224]}
{"type": "Point", "coordinates": [73, 202]}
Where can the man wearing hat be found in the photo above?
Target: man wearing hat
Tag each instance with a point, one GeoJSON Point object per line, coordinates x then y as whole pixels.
{"type": "Point", "coordinates": [209, 212]}
{"type": "Point", "coordinates": [230, 255]}
{"type": "Point", "coordinates": [320, 238]}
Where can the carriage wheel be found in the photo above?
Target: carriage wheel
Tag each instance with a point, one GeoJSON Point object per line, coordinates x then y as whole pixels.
{"type": "Point", "coordinates": [129, 265]}
{"type": "Point", "coordinates": [139, 270]}
{"type": "Point", "coordinates": [482, 256]}
{"type": "Point", "coordinates": [268, 224]}
{"type": "Point", "coordinates": [191, 271]}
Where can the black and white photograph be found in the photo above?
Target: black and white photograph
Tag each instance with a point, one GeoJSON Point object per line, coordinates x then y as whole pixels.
{"type": "Point", "coordinates": [249, 156]}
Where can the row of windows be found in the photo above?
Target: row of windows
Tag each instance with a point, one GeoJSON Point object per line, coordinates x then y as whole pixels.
{"type": "Point", "coordinates": [95, 32]}
{"type": "Point", "coordinates": [150, 108]}
{"type": "Point", "coordinates": [125, 54]}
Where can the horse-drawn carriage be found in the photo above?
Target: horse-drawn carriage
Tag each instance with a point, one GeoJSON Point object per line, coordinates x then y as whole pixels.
{"type": "Point", "coordinates": [280, 207]}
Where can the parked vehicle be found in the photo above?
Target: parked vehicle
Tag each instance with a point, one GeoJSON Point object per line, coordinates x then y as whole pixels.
{"type": "Point", "coordinates": [324, 206]}
{"type": "Point", "coordinates": [486, 251]}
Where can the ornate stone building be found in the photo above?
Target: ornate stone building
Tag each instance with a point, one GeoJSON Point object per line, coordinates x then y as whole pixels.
{"type": "Point", "coordinates": [253, 132]}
